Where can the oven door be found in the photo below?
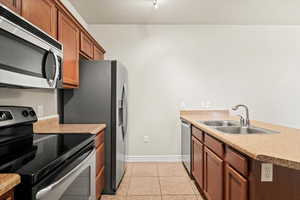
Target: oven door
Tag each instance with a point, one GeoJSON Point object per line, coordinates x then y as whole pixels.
{"type": "Point", "coordinates": [74, 181]}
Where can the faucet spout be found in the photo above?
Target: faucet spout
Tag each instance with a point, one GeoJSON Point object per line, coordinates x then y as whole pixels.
{"type": "Point", "coordinates": [246, 122]}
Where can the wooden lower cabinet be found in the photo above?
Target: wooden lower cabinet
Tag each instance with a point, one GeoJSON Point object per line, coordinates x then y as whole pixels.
{"type": "Point", "coordinates": [14, 5]}
{"type": "Point", "coordinates": [197, 161]}
{"type": "Point", "coordinates": [8, 196]}
{"type": "Point", "coordinates": [99, 158]}
{"type": "Point", "coordinates": [213, 175]}
{"type": "Point", "coordinates": [99, 183]}
{"type": "Point", "coordinates": [236, 186]}
{"type": "Point", "coordinates": [99, 163]}
{"type": "Point", "coordinates": [42, 13]}
{"type": "Point", "coordinates": [68, 35]}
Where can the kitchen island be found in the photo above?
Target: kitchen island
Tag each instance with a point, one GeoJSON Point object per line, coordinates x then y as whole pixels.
{"type": "Point", "coordinates": [244, 166]}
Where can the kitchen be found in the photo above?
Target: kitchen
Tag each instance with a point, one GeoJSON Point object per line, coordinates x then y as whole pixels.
{"type": "Point", "coordinates": [185, 61]}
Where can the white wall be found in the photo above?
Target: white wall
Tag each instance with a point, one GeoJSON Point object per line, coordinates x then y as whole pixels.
{"type": "Point", "coordinates": [31, 97]}
{"type": "Point", "coordinates": [226, 65]}
{"type": "Point", "coordinates": [75, 13]}
{"type": "Point", "coordinates": [37, 97]}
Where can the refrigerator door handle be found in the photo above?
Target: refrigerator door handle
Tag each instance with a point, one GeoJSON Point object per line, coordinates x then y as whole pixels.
{"type": "Point", "coordinates": [125, 110]}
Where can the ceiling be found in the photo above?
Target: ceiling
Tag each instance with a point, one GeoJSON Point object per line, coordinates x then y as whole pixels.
{"type": "Point", "coordinates": [233, 12]}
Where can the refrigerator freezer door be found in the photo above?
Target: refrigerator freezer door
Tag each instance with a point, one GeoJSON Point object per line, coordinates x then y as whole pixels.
{"type": "Point", "coordinates": [121, 129]}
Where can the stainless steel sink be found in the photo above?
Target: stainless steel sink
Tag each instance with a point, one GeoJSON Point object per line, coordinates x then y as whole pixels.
{"type": "Point", "coordinates": [234, 127]}
{"type": "Point", "coordinates": [244, 130]}
{"type": "Point", "coordinates": [220, 123]}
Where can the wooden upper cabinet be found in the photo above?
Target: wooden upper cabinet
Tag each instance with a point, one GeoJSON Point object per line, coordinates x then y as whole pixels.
{"type": "Point", "coordinates": [236, 185]}
{"type": "Point", "coordinates": [98, 54]}
{"type": "Point", "coordinates": [14, 5]}
{"type": "Point", "coordinates": [197, 161]}
{"type": "Point", "coordinates": [42, 13]}
{"type": "Point", "coordinates": [68, 35]}
{"type": "Point", "coordinates": [86, 45]}
{"type": "Point", "coordinates": [213, 175]}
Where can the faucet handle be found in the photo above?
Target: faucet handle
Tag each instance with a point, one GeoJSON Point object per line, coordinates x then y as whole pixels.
{"type": "Point", "coordinates": [234, 108]}
{"type": "Point", "coordinates": [242, 120]}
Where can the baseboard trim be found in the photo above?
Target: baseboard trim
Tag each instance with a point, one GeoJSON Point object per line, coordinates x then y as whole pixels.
{"type": "Point", "coordinates": [155, 158]}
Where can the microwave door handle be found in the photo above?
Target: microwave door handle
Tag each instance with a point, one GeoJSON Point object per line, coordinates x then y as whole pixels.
{"type": "Point", "coordinates": [40, 194]}
{"type": "Point", "coordinates": [57, 71]}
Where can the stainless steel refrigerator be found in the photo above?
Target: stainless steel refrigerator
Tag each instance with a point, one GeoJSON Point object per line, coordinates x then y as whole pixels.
{"type": "Point", "coordinates": [102, 98]}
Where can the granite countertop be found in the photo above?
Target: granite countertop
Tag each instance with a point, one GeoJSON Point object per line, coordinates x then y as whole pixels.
{"type": "Point", "coordinates": [52, 126]}
{"type": "Point", "coordinates": [282, 148]}
{"type": "Point", "coordinates": [8, 182]}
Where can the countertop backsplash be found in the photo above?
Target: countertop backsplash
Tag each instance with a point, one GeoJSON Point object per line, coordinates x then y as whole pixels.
{"type": "Point", "coordinates": [44, 101]}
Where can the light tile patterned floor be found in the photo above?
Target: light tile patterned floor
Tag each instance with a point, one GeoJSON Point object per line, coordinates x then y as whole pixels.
{"type": "Point", "coordinates": [156, 181]}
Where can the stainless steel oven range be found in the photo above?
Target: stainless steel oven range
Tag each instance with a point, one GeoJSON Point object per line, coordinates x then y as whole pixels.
{"type": "Point", "coordinates": [52, 166]}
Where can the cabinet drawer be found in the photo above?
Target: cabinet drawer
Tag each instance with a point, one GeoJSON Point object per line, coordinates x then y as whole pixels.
{"type": "Point", "coordinates": [99, 183]}
{"type": "Point", "coordinates": [214, 145]}
{"type": "Point", "coordinates": [99, 139]}
{"type": "Point", "coordinates": [86, 45]}
{"type": "Point", "coordinates": [197, 133]}
{"type": "Point", "coordinates": [99, 158]}
{"type": "Point", "coordinates": [237, 161]}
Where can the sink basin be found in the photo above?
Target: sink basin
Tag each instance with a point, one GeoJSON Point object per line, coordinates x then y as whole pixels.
{"type": "Point", "coordinates": [244, 130]}
{"type": "Point", "coordinates": [218, 123]}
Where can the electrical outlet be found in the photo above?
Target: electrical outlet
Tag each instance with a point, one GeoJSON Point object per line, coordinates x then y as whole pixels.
{"type": "Point", "coordinates": [266, 172]}
{"type": "Point", "coordinates": [40, 110]}
{"type": "Point", "coordinates": [146, 139]}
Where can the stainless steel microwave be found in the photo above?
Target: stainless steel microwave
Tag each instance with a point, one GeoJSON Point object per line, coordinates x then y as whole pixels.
{"type": "Point", "coordinates": [29, 57]}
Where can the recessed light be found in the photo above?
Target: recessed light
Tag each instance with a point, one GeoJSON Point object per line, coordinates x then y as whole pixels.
{"type": "Point", "coordinates": [155, 4]}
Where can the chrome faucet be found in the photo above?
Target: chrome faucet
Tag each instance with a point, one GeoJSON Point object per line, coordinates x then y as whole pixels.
{"type": "Point", "coordinates": [244, 122]}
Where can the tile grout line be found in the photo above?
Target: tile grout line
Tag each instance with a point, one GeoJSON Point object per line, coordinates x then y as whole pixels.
{"type": "Point", "coordinates": [129, 181]}
{"type": "Point", "coordinates": [158, 176]}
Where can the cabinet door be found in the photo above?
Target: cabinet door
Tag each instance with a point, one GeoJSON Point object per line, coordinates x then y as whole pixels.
{"type": "Point", "coordinates": [98, 54]}
{"type": "Point", "coordinates": [86, 45]}
{"type": "Point", "coordinates": [99, 158]}
{"type": "Point", "coordinates": [236, 185]}
{"type": "Point", "coordinates": [197, 161]}
{"type": "Point", "coordinates": [99, 183]}
{"type": "Point", "coordinates": [213, 175]}
{"type": "Point", "coordinates": [8, 196]}
{"type": "Point", "coordinates": [42, 13]}
{"type": "Point", "coordinates": [68, 35]}
{"type": "Point", "coordinates": [14, 5]}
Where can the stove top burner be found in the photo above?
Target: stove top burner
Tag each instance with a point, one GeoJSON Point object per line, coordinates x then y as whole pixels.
{"type": "Point", "coordinates": [46, 153]}
{"type": "Point", "coordinates": [31, 155]}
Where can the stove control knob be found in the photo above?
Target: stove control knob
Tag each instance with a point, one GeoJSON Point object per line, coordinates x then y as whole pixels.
{"type": "Point", "coordinates": [25, 113]}
{"type": "Point", "coordinates": [32, 113]}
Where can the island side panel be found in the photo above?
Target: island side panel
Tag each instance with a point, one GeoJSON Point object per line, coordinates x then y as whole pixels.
{"type": "Point", "coordinates": [285, 184]}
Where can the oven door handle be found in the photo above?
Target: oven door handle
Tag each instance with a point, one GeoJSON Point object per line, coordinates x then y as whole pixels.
{"type": "Point", "coordinates": [40, 194]}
